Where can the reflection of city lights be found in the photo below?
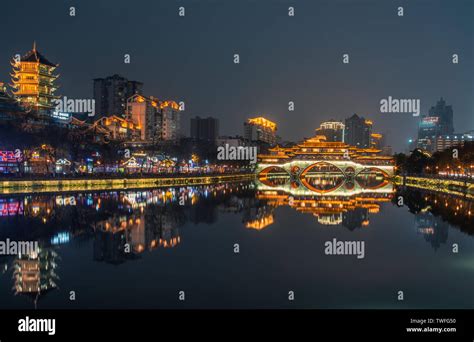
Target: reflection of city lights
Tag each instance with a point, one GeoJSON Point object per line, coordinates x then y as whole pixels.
{"type": "Point", "coordinates": [261, 223]}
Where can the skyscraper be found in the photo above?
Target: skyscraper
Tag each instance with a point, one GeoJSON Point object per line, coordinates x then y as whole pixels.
{"type": "Point", "coordinates": [204, 129]}
{"type": "Point", "coordinates": [333, 131]}
{"type": "Point", "coordinates": [445, 115]}
{"type": "Point", "coordinates": [437, 124]}
{"type": "Point", "coordinates": [358, 131]}
{"type": "Point", "coordinates": [111, 94]}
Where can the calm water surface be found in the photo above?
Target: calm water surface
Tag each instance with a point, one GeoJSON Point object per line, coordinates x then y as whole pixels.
{"type": "Point", "coordinates": [138, 249]}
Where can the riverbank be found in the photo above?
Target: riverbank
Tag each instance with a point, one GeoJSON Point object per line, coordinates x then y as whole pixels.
{"type": "Point", "coordinates": [456, 187]}
{"type": "Point", "coordinates": [64, 185]}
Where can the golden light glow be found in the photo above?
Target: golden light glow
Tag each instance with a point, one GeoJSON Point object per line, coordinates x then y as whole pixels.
{"type": "Point", "coordinates": [261, 223]}
{"type": "Point", "coordinates": [33, 81]}
{"type": "Point", "coordinates": [261, 121]}
{"type": "Point", "coordinates": [171, 104]}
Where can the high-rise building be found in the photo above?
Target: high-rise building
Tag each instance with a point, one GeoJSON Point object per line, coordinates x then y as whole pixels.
{"type": "Point", "coordinates": [428, 127]}
{"type": "Point", "coordinates": [170, 121]}
{"type": "Point", "coordinates": [145, 113]}
{"type": "Point", "coordinates": [445, 115]}
{"type": "Point", "coordinates": [436, 126]}
{"type": "Point", "coordinates": [204, 129]}
{"type": "Point", "coordinates": [33, 82]}
{"type": "Point", "coordinates": [358, 131]}
{"type": "Point", "coordinates": [332, 130]}
{"type": "Point", "coordinates": [111, 94]}
{"type": "Point", "coordinates": [260, 130]}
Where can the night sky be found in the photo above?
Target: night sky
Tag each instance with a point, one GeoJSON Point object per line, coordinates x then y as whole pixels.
{"type": "Point", "coordinates": [282, 58]}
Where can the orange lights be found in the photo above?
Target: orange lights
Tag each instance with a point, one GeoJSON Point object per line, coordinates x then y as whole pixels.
{"type": "Point", "coordinates": [33, 80]}
{"type": "Point", "coordinates": [261, 121]}
{"type": "Point", "coordinates": [171, 104]}
{"type": "Point", "coordinates": [261, 223]}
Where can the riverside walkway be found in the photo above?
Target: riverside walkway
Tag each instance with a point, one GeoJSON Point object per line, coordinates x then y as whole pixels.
{"type": "Point", "coordinates": [38, 185]}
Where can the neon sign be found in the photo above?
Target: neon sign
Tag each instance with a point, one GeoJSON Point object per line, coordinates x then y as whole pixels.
{"type": "Point", "coordinates": [8, 156]}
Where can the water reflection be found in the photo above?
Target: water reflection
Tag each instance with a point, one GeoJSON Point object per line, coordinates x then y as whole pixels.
{"type": "Point", "coordinates": [35, 274]}
{"type": "Point", "coordinates": [350, 211]}
{"type": "Point", "coordinates": [435, 213]}
{"type": "Point", "coordinates": [124, 226]}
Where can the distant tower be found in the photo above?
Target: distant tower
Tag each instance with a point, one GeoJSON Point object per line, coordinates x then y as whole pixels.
{"type": "Point", "coordinates": [33, 81]}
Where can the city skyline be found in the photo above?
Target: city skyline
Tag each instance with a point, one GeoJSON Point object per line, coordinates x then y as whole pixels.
{"type": "Point", "coordinates": [198, 68]}
{"type": "Point", "coordinates": [309, 157]}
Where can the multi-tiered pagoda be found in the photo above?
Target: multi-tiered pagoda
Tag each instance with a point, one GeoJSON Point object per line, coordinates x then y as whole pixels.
{"type": "Point", "coordinates": [33, 82]}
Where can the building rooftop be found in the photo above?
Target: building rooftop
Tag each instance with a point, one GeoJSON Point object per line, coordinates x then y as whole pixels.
{"type": "Point", "coordinates": [34, 56]}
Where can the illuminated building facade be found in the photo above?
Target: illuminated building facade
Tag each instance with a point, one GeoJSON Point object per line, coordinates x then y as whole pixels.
{"type": "Point", "coordinates": [435, 130]}
{"type": "Point", "coordinates": [358, 131]}
{"type": "Point", "coordinates": [9, 162]}
{"type": "Point", "coordinates": [260, 130]}
{"type": "Point", "coordinates": [170, 121]}
{"type": "Point", "coordinates": [377, 141]}
{"type": "Point", "coordinates": [33, 82]}
{"type": "Point", "coordinates": [442, 142]}
{"type": "Point", "coordinates": [332, 130]}
{"type": "Point", "coordinates": [145, 113]}
{"type": "Point", "coordinates": [320, 167]}
{"type": "Point", "coordinates": [120, 129]}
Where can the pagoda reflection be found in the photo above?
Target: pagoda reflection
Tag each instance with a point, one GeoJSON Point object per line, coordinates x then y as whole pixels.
{"type": "Point", "coordinates": [34, 274]}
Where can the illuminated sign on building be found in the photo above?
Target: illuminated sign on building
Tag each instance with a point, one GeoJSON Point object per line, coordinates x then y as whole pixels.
{"type": "Point", "coordinates": [62, 117]}
{"type": "Point", "coordinates": [429, 121]}
{"type": "Point", "coordinates": [9, 156]}
{"type": "Point", "coordinates": [10, 207]}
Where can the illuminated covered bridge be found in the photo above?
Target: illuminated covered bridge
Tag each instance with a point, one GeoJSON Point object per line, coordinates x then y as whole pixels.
{"type": "Point", "coordinates": [320, 167]}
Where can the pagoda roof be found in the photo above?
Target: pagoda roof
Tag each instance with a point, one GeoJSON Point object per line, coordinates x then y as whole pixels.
{"type": "Point", "coordinates": [34, 56]}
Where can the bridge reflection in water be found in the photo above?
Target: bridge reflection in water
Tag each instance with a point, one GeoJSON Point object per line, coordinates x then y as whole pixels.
{"type": "Point", "coordinates": [350, 210]}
